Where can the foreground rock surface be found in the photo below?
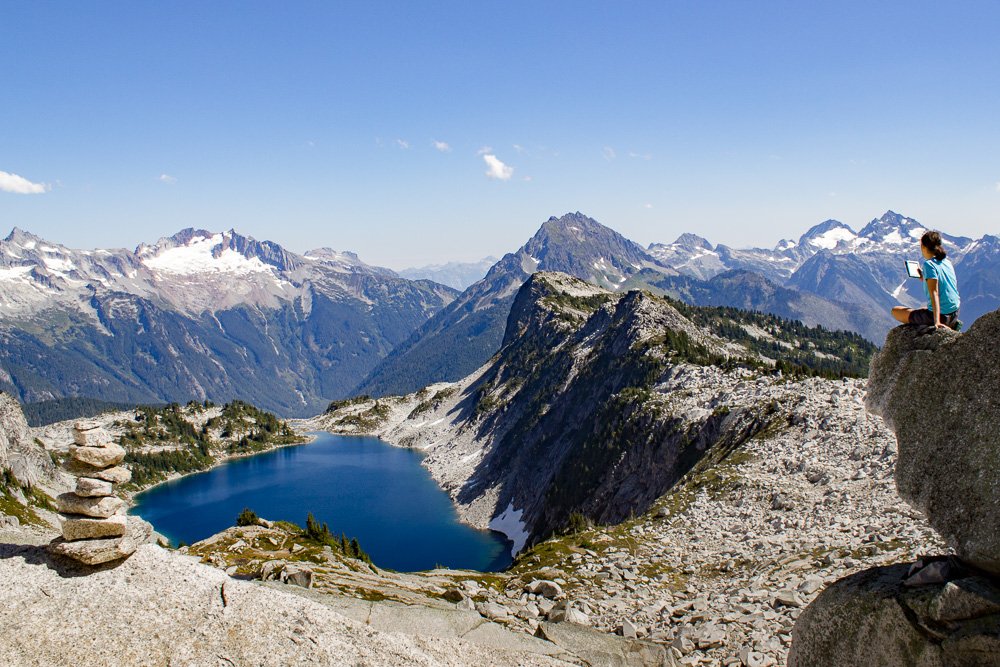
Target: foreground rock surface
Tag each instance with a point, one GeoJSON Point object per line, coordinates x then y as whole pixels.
{"type": "Point", "coordinates": [940, 393]}
{"type": "Point", "coordinates": [872, 618]}
{"type": "Point", "coordinates": [178, 612]}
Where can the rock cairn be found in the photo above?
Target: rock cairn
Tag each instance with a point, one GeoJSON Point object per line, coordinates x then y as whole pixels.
{"type": "Point", "coordinates": [96, 528]}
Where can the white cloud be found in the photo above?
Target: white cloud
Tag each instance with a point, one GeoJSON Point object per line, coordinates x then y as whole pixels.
{"type": "Point", "coordinates": [496, 168]}
{"type": "Point", "coordinates": [167, 178]}
{"type": "Point", "coordinates": [442, 146]}
{"type": "Point", "coordinates": [647, 206]}
{"type": "Point", "coordinates": [19, 185]}
{"type": "Point", "coordinates": [519, 148]}
{"type": "Point", "coordinates": [641, 156]}
{"type": "Point", "coordinates": [403, 143]}
{"type": "Point", "coordinates": [609, 153]}
{"type": "Point", "coordinates": [484, 150]}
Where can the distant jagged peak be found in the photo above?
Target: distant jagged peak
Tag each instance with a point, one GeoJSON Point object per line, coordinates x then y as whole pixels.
{"type": "Point", "coordinates": [32, 242]}
{"type": "Point", "coordinates": [189, 234]}
{"type": "Point", "coordinates": [828, 235]}
{"type": "Point", "coordinates": [693, 241]}
{"type": "Point", "coordinates": [893, 228]}
{"type": "Point", "coordinates": [20, 237]}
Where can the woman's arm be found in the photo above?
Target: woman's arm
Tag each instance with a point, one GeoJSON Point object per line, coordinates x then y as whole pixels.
{"type": "Point", "coordinates": [932, 288]}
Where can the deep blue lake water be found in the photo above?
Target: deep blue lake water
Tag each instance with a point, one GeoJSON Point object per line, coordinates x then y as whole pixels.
{"type": "Point", "coordinates": [360, 486]}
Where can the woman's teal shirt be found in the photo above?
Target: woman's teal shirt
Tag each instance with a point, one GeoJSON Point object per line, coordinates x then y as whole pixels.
{"type": "Point", "coordinates": [942, 271]}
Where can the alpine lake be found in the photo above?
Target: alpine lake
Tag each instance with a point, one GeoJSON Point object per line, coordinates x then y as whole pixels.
{"type": "Point", "coordinates": [360, 486]}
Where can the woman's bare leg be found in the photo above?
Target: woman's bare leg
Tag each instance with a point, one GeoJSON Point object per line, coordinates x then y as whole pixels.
{"type": "Point", "coordinates": [902, 314]}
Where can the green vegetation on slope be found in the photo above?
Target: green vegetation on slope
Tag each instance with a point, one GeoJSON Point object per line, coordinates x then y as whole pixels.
{"type": "Point", "coordinates": [11, 490]}
{"type": "Point", "coordinates": [185, 439]}
{"type": "Point", "coordinates": [796, 348]}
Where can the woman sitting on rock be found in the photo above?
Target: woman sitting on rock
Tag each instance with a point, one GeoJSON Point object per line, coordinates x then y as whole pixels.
{"type": "Point", "coordinates": [941, 287]}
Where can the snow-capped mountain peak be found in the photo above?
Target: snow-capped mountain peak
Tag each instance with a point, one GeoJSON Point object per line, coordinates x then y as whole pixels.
{"type": "Point", "coordinates": [193, 271]}
{"type": "Point", "coordinates": [828, 235]}
{"type": "Point", "coordinates": [893, 229]}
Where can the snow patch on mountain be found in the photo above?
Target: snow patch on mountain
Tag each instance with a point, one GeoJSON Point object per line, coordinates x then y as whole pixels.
{"type": "Point", "coordinates": [830, 239]}
{"type": "Point", "coordinates": [509, 523]}
{"type": "Point", "coordinates": [201, 256]}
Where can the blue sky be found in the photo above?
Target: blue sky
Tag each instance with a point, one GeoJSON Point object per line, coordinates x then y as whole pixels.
{"type": "Point", "coordinates": [421, 132]}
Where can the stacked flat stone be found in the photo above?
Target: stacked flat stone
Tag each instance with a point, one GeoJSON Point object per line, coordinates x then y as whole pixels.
{"type": "Point", "coordinates": [96, 528]}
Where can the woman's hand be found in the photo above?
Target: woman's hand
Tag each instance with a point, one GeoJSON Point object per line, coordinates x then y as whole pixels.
{"type": "Point", "coordinates": [938, 325]}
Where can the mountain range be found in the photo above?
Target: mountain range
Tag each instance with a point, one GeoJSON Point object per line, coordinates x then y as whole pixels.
{"type": "Point", "coordinates": [863, 268]}
{"type": "Point", "coordinates": [199, 315]}
{"type": "Point", "coordinates": [832, 276]}
{"type": "Point", "coordinates": [221, 316]}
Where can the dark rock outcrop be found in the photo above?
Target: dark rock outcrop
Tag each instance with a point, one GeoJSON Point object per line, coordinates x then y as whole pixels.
{"type": "Point", "coordinates": [873, 618]}
{"type": "Point", "coordinates": [26, 461]}
{"type": "Point", "coordinates": [940, 393]}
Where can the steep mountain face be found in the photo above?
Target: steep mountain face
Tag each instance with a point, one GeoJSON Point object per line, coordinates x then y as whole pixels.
{"type": "Point", "coordinates": [596, 404]}
{"type": "Point", "coordinates": [199, 315]}
{"type": "Point", "coordinates": [466, 333]}
{"type": "Point", "coordinates": [457, 275]}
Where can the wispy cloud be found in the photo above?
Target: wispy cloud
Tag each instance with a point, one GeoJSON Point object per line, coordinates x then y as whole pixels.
{"type": "Point", "coordinates": [519, 148]}
{"type": "Point", "coordinates": [497, 169]}
{"type": "Point", "coordinates": [609, 153]}
{"type": "Point", "coordinates": [19, 185]}
{"type": "Point", "coordinates": [640, 156]}
{"type": "Point", "coordinates": [647, 206]}
{"type": "Point", "coordinates": [442, 146]}
{"type": "Point", "coordinates": [484, 150]}
{"type": "Point", "coordinates": [167, 178]}
{"type": "Point", "coordinates": [403, 144]}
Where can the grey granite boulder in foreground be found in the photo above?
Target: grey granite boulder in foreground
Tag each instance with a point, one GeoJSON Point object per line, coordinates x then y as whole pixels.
{"type": "Point", "coordinates": [940, 393]}
{"type": "Point", "coordinates": [873, 619]}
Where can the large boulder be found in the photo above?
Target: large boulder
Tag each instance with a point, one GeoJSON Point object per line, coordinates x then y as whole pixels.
{"type": "Point", "coordinates": [940, 392]}
{"type": "Point", "coordinates": [872, 618]}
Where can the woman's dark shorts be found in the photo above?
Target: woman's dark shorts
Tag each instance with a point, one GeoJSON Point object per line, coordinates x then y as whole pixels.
{"type": "Point", "coordinates": [925, 317]}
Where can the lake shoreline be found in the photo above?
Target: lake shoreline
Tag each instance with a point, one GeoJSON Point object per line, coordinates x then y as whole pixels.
{"type": "Point", "coordinates": [388, 500]}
